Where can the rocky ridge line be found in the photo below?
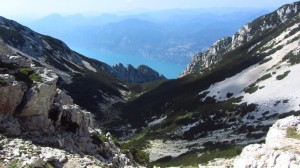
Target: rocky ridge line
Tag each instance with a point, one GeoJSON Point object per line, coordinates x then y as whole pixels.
{"type": "Point", "coordinates": [249, 32]}
{"type": "Point", "coordinates": [141, 74]}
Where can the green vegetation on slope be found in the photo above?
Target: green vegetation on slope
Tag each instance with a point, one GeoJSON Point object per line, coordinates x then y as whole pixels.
{"type": "Point", "coordinates": [292, 133]}
{"type": "Point", "coordinates": [292, 58]}
{"type": "Point", "coordinates": [28, 75]}
{"type": "Point", "coordinates": [136, 89]}
{"type": "Point", "coordinates": [199, 157]}
{"type": "Point", "coordinates": [280, 77]}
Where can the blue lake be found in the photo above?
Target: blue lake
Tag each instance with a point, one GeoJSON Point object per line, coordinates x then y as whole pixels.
{"type": "Point", "coordinates": [168, 69]}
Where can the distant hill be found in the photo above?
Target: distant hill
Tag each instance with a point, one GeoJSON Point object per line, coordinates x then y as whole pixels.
{"type": "Point", "coordinates": [172, 35]}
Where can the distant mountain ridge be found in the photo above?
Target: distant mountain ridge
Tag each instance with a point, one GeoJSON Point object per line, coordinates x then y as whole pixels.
{"type": "Point", "coordinates": [41, 47]}
{"type": "Point", "coordinates": [172, 36]}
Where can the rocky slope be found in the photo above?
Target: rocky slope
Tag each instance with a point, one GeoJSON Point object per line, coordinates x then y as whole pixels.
{"type": "Point", "coordinates": [250, 32]}
{"type": "Point", "coordinates": [229, 104]}
{"type": "Point", "coordinates": [281, 148]}
{"type": "Point", "coordinates": [101, 84]}
{"type": "Point", "coordinates": [51, 129]}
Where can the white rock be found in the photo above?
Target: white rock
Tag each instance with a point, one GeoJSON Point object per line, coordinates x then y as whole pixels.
{"type": "Point", "coordinates": [278, 152]}
{"type": "Point", "coordinates": [36, 161]}
{"type": "Point", "coordinates": [16, 152]}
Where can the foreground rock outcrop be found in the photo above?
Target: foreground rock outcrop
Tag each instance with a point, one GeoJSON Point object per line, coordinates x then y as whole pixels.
{"type": "Point", "coordinates": [281, 150]}
{"type": "Point", "coordinates": [50, 129]}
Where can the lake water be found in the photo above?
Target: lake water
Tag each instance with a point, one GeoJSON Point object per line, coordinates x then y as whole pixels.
{"type": "Point", "coordinates": [168, 69]}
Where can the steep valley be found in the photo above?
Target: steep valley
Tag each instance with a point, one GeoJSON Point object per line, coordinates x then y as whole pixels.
{"type": "Point", "coordinates": [227, 97]}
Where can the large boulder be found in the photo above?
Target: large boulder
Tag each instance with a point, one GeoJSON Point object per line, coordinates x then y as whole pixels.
{"type": "Point", "coordinates": [40, 96]}
{"type": "Point", "coordinates": [75, 119]}
{"type": "Point", "coordinates": [281, 149]}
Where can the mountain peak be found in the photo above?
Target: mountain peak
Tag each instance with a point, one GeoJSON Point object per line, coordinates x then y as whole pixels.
{"type": "Point", "coordinates": [141, 74]}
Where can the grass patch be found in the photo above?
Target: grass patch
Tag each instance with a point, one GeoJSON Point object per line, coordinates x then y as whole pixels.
{"type": "Point", "coordinates": [35, 77]}
{"type": "Point", "coordinates": [195, 158]}
{"type": "Point", "coordinates": [14, 164]}
{"type": "Point", "coordinates": [280, 77]}
{"type": "Point", "coordinates": [48, 165]}
{"type": "Point", "coordinates": [187, 115]}
{"type": "Point", "coordinates": [292, 133]}
{"type": "Point", "coordinates": [28, 75]}
{"type": "Point", "coordinates": [227, 153]}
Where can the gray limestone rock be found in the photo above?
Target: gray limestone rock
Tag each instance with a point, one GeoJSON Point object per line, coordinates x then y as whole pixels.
{"type": "Point", "coordinates": [10, 98]}
{"type": "Point", "coordinates": [39, 98]}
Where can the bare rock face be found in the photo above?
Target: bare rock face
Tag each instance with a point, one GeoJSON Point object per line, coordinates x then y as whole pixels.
{"type": "Point", "coordinates": [40, 97]}
{"type": "Point", "coordinates": [19, 60]}
{"type": "Point", "coordinates": [204, 59]}
{"type": "Point", "coordinates": [281, 149]}
{"type": "Point", "coordinates": [11, 126]}
{"type": "Point", "coordinates": [10, 96]}
{"type": "Point", "coordinates": [141, 74]}
{"type": "Point", "coordinates": [75, 119]}
{"type": "Point", "coordinates": [37, 124]}
{"type": "Point", "coordinates": [61, 98]}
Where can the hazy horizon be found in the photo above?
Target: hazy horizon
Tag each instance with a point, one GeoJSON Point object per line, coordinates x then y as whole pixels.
{"type": "Point", "coordinates": [16, 9]}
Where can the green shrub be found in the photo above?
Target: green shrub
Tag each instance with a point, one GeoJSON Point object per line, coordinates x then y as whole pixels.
{"type": "Point", "coordinates": [266, 76]}
{"type": "Point", "coordinates": [280, 77]}
{"type": "Point", "coordinates": [28, 75]}
{"type": "Point", "coordinates": [251, 89]}
{"type": "Point", "coordinates": [292, 133]}
{"type": "Point", "coordinates": [292, 58]}
{"type": "Point", "coordinates": [35, 77]}
{"type": "Point", "coordinates": [139, 155]}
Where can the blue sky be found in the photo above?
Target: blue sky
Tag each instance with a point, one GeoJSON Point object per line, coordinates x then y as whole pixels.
{"type": "Point", "coordinates": [13, 8]}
